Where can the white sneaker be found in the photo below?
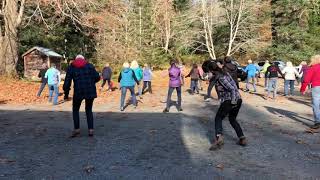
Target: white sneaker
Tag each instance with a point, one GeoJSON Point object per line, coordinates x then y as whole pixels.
{"type": "Point", "coordinates": [207, 100]}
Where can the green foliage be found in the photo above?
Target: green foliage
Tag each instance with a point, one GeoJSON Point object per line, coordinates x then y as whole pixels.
{"type": "Point", "coordinates": [296, 30]}
{"type": "Point", "coordinates": [59, 34]}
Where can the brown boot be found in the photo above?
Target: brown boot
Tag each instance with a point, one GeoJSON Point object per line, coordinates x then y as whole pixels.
{"type": "Point", "coordinates": [75, 133]}
{"type": "Point", "coordinates": [217, 144]}
{"type": "Point", "coordinates": [315, 126]}
{"type": "Point", "coordinates": [242, 141]}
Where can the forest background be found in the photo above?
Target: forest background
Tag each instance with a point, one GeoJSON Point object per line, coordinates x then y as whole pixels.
{"type": "Point", "coordinates": [154, 31]}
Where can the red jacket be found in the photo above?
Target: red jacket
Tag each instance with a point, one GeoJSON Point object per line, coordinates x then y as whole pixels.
{"type": "Point", "coordinates": [311, 77]}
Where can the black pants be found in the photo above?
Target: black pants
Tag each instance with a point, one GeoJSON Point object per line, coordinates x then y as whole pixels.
{"type": "Point", "coordinates": [104, 82]}
{"type": "Point", "coordinates": [233, 110]}
{"type": "Point", "coordinates": [145, 85]}
{"type": "Point", "coordinates": [75, 111]}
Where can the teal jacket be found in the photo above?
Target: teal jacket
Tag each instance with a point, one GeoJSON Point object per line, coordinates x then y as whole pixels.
{"type": "Point", "coordinates": [139, 73]}
{"type": "Point", "coordinates": [127, 78]}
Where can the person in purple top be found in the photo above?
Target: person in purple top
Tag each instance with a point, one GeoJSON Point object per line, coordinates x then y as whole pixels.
{"type": "Point", "coordinates": [175, 83]}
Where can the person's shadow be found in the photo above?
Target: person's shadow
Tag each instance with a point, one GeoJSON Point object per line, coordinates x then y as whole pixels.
{"type": "Point", "coordinates": [289, 114]}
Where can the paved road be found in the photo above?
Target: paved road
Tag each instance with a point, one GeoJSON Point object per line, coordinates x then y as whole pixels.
{"type": "Point", "coordinates": [147, 144]}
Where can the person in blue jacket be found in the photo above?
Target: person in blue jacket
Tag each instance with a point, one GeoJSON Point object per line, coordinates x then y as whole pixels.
{"type": "Point", "coordinates": [127, 80]}
{"type": "Point", "coordinates": [251, 71]}
{"type": "Point", "coordinates": [147, 77]}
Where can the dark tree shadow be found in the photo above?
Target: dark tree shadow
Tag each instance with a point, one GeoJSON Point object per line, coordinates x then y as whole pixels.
{"type": "Point", "coordinates": [306, 102]}
{"type": "Point", "coordinates": [125, 146]}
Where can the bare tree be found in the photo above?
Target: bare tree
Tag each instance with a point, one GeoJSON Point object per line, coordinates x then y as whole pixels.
{"type": "Point", "coordinates": [244, 24]}
{"type": "Point", "coordinates": [11, 15]}
{"type": "Point", "coordinates": [163, 14]}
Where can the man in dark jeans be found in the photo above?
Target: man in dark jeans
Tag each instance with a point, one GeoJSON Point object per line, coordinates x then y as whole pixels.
{"type": "Point", "coordinates": [84, 77]}
{"type": "Point", "coordinates": [231, 101]}
{"type": "Point", "coordinates": [44, 80]}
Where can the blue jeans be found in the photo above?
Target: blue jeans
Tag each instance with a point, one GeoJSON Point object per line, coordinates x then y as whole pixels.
{"type": "Point", "coordinates": [194, 85]}
{"type": "Point", "coordinates": [316, 103]}
{"type": "Point", "coordinates": [170, 91]}
{"type": "Point", "coordinates": [53, 89]}
{"type": "Point", "coordinates": [272, 85]}
{"type": "Point", "coordinates": [288, 83]}
{"type": "Point", "coordinates": [253, 79]}
{"type": "Point", "coordinates": [123, 95]}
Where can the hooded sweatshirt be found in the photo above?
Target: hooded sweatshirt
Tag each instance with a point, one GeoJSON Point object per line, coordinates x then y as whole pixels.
{"type": "Point", "coordinates": [84, 77]}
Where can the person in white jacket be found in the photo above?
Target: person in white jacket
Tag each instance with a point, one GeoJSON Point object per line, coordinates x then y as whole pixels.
{"type": "Point", "coordinates": [290, 74]}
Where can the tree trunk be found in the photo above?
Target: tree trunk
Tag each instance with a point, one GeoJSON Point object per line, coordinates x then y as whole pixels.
{"type": "Point", "coordinates": [11, 16]}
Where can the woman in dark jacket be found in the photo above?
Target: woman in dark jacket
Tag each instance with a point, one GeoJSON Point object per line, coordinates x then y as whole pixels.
{"type": "Point", "coordinates": [84, 77]}
{"type": "Point", "coordinates": [230, 104]}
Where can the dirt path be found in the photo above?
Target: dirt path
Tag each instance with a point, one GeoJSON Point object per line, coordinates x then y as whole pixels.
{"type": "Point", "coordinates": [144, 143]}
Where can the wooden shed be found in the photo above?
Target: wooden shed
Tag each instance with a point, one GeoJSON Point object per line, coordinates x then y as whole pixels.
{"type": "Point", "coordinates": [35, 57]}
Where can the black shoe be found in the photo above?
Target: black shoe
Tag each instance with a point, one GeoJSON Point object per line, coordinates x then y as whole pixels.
{"type": "Point", "coordinates": [180, 109]}
{"type": "Point", "coordinates": [165, 110]}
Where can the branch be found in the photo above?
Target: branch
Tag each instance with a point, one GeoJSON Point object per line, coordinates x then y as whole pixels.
{"type": "Point", "coordinates": [21, 11]}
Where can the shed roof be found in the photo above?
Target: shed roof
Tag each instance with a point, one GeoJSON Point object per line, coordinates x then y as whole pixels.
{"type": "Point", "coordinates": [45, 51]}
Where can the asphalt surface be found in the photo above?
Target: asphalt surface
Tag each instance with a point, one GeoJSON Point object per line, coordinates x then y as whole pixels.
{"type": "Point", "coordinates": [147, 144]}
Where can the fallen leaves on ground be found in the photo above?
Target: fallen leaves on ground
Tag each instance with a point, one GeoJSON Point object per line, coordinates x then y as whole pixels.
{"type": "Point", "coordinates": [312, 131]}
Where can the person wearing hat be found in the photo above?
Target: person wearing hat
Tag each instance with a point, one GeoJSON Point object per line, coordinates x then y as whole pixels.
{"type": "Point", "coordinates": [84, 77]}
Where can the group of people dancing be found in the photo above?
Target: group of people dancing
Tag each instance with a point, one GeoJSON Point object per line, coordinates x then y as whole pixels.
{"type": "Point", "coordinates": [221, 74]}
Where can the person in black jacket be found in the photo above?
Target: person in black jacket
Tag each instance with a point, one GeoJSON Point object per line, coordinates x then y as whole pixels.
{"type": "Point", "coordinates": [272, 74]}
{"type": "Point", "coordinates": [84, 77]}
{"type": "Point", "coordinates": [44, 80]}
{"type": "Point", "coordinates": [231, 68]}
{"type": "Point", "coordinates": [106, 76]}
